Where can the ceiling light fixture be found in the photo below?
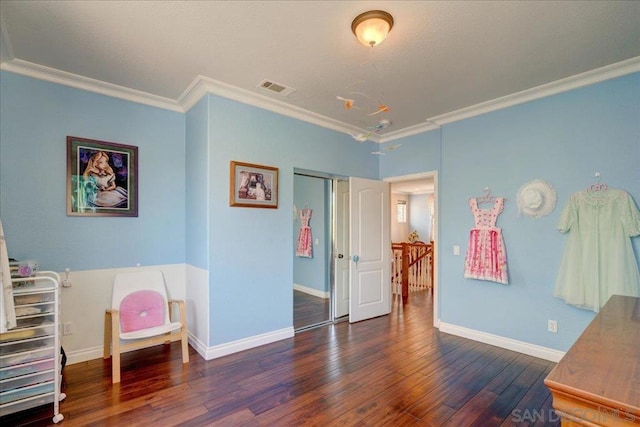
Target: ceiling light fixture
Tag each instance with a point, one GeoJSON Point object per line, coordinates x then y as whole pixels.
{"type": "Point", "coordinates": [372, 27]}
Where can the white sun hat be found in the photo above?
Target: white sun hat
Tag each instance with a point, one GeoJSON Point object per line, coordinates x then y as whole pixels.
{"type": "Point", "coordinates": [536, 198]}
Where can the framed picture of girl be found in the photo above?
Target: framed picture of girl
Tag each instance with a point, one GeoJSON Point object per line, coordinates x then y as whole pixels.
{"type": "Point", "coordinates": [253, 186]}
{"type": "Point", "coordinates": [102, 178]}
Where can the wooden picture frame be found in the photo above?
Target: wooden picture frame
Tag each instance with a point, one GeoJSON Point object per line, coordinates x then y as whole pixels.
{"type": "Point", "coordinates": [253, 186]}
{"type": "Point", "coordinates": [102, 178]}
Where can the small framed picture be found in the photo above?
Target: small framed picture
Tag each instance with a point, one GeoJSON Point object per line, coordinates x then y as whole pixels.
{"type": "Point", "coordinates": [253, 186]}
{"type": "Point", "coordinates": [102, 178]}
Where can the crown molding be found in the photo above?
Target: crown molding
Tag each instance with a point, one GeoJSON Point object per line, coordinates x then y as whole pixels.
{"type": "Point", "coordinates": [587, 78]}
{"type": "Point", "coordinates": [204, 85]}
{"type": "Point", "coordinates": [6, 48]}
{"type": "Point", "coordinates": [53, 75]}
{"type": "Point", "coordinates": [563, 85]}
{"type": "Point", "coordinates": [409, 131]}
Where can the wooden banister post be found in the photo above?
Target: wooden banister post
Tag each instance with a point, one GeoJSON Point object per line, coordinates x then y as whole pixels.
{"type": "Point", "coordinates": [405, 272]}
{"type": "Point", "coordinates": [431, 262]}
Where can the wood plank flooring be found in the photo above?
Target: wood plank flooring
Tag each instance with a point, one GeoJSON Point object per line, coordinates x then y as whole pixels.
{"type": "Point", "coordinates": [394, 370]}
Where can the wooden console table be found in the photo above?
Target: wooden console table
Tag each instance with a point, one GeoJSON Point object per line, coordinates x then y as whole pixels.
{"type": "Point", "coordinates": [597, 382]}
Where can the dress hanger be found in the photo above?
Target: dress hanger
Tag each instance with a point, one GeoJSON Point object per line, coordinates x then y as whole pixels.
{"type": "Point", "coordinates": [598, 186]}
{"type": "Point", "coordinates": [486, 197]}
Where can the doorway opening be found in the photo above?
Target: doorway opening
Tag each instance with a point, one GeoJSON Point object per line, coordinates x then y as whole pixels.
{"type": "Point", "coordinates": [416, 197]}
{"type": "Point", "coordinates": [313, 263]}
{"type": "Point", "coordinates": [351, 228]}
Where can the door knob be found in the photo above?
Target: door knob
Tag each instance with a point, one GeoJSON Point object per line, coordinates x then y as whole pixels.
{"type": "Point", "coordinates": [340, 256]}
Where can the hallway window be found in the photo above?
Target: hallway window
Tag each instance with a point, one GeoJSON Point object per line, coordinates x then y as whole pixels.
{"type": "Point", "coordinates": [401, 211]}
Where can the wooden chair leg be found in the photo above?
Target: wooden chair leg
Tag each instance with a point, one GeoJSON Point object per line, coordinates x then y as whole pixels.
{"type": "Point", "coordinates": [183, 332]}
{"type": "Point", "coordinates": [106, 351]}
{"type": "Point", "coordinates": [185, 345]}
{"type": "Point", "coordinates": [167, 341]}
{"type": "Point", "coordinates": [115, 359]}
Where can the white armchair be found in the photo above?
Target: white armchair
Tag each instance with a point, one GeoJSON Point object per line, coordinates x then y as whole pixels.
{"type": "Point", "coordinates": [140, 316]}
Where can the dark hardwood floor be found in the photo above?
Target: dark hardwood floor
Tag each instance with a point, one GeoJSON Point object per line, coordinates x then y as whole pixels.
{"type": "Point", "coordinates": [393, 370]}
{"type": "Point", "coordinates": [309, 310]}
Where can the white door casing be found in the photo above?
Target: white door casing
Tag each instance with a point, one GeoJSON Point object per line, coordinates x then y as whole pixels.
{"type": "Point", "coordinates": [341, 254]}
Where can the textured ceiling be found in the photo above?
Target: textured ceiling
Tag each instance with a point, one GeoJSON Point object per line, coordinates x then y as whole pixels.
{"type": "Point", "coordinates": [414, 186]}
{"type": "Point", "coordinates": [440, 57]}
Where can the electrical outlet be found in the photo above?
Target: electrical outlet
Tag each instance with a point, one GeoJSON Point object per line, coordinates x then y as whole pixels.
{"type": "Point", "coordinates": [67, 328]}
{"type": "Point", "coordinates": [66, 283]}
{"type": "Point", "coordinates": [552, 326]}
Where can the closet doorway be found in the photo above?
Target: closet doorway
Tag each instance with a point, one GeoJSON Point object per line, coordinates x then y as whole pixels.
{"type": "Point", "coordinates": [313, 277]}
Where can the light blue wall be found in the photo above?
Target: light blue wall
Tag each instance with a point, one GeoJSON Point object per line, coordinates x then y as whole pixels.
{"type": "Point", "coordinates": [250, 262]}
{"type": "Point", "coordinates": [563, 139]}
{"type": "Point", "coordinates": [36, 119]}
{"type": "Point", "coordinates": [419, 216]}
{"type": "Point", "coordinates": [197, 185]}
{"type": "Point", "coordinates": [311, 192]}
{"type": "Point", "coordinates": [418, 153]}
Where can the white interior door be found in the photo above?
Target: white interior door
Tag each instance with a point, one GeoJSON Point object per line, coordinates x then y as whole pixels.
{"type": "Point", "coordinates": [341, 299]}
{"type": "Point", "coordinates": [370, 249]}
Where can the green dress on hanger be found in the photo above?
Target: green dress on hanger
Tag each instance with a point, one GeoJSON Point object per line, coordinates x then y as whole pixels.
{"type": "Point", "coordinates": [598, 259]}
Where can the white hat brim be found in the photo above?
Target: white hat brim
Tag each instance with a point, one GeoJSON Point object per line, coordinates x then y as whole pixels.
{"type": "Point", "coordinates": [536, 198]}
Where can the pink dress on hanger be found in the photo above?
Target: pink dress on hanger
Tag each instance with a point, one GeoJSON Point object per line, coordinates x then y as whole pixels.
{"type": "Point", "coordinates": [486, 256]}
{"type": "Point", "coordinates": [304, 248]}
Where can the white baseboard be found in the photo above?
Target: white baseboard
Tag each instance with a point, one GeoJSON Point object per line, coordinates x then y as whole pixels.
{"type": "Point", "coordinates": [198, 345]}
{"type": "Point", "coordinates": [87, 354]}
{"type": "Point", "coordinates": [214, 352]}
{"type": "Point", "coordinates": [311, 291]}
{"type": "Point", "coordinates": [207, 353]}
{"type": "Point", "coordinates": [502, 342]}
{"type": "Point", "coordinates": [244, 344]}
{"type": "Point", "coordinates": [83, 355]}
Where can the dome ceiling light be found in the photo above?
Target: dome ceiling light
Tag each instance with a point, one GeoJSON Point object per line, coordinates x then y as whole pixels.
{"type": "Point", "coordinates": [372, 27]}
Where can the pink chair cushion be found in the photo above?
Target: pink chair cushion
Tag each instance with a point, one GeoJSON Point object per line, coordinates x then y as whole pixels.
{"type": "Point", "coordinates": [141, 310]}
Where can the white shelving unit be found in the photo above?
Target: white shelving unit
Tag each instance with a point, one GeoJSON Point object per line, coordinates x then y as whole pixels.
{"type": "Point", "coordinates": [30, 371]}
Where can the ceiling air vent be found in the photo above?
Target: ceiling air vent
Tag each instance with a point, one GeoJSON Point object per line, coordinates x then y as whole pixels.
{"type": "Point", "coordinates": [276, 87]}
